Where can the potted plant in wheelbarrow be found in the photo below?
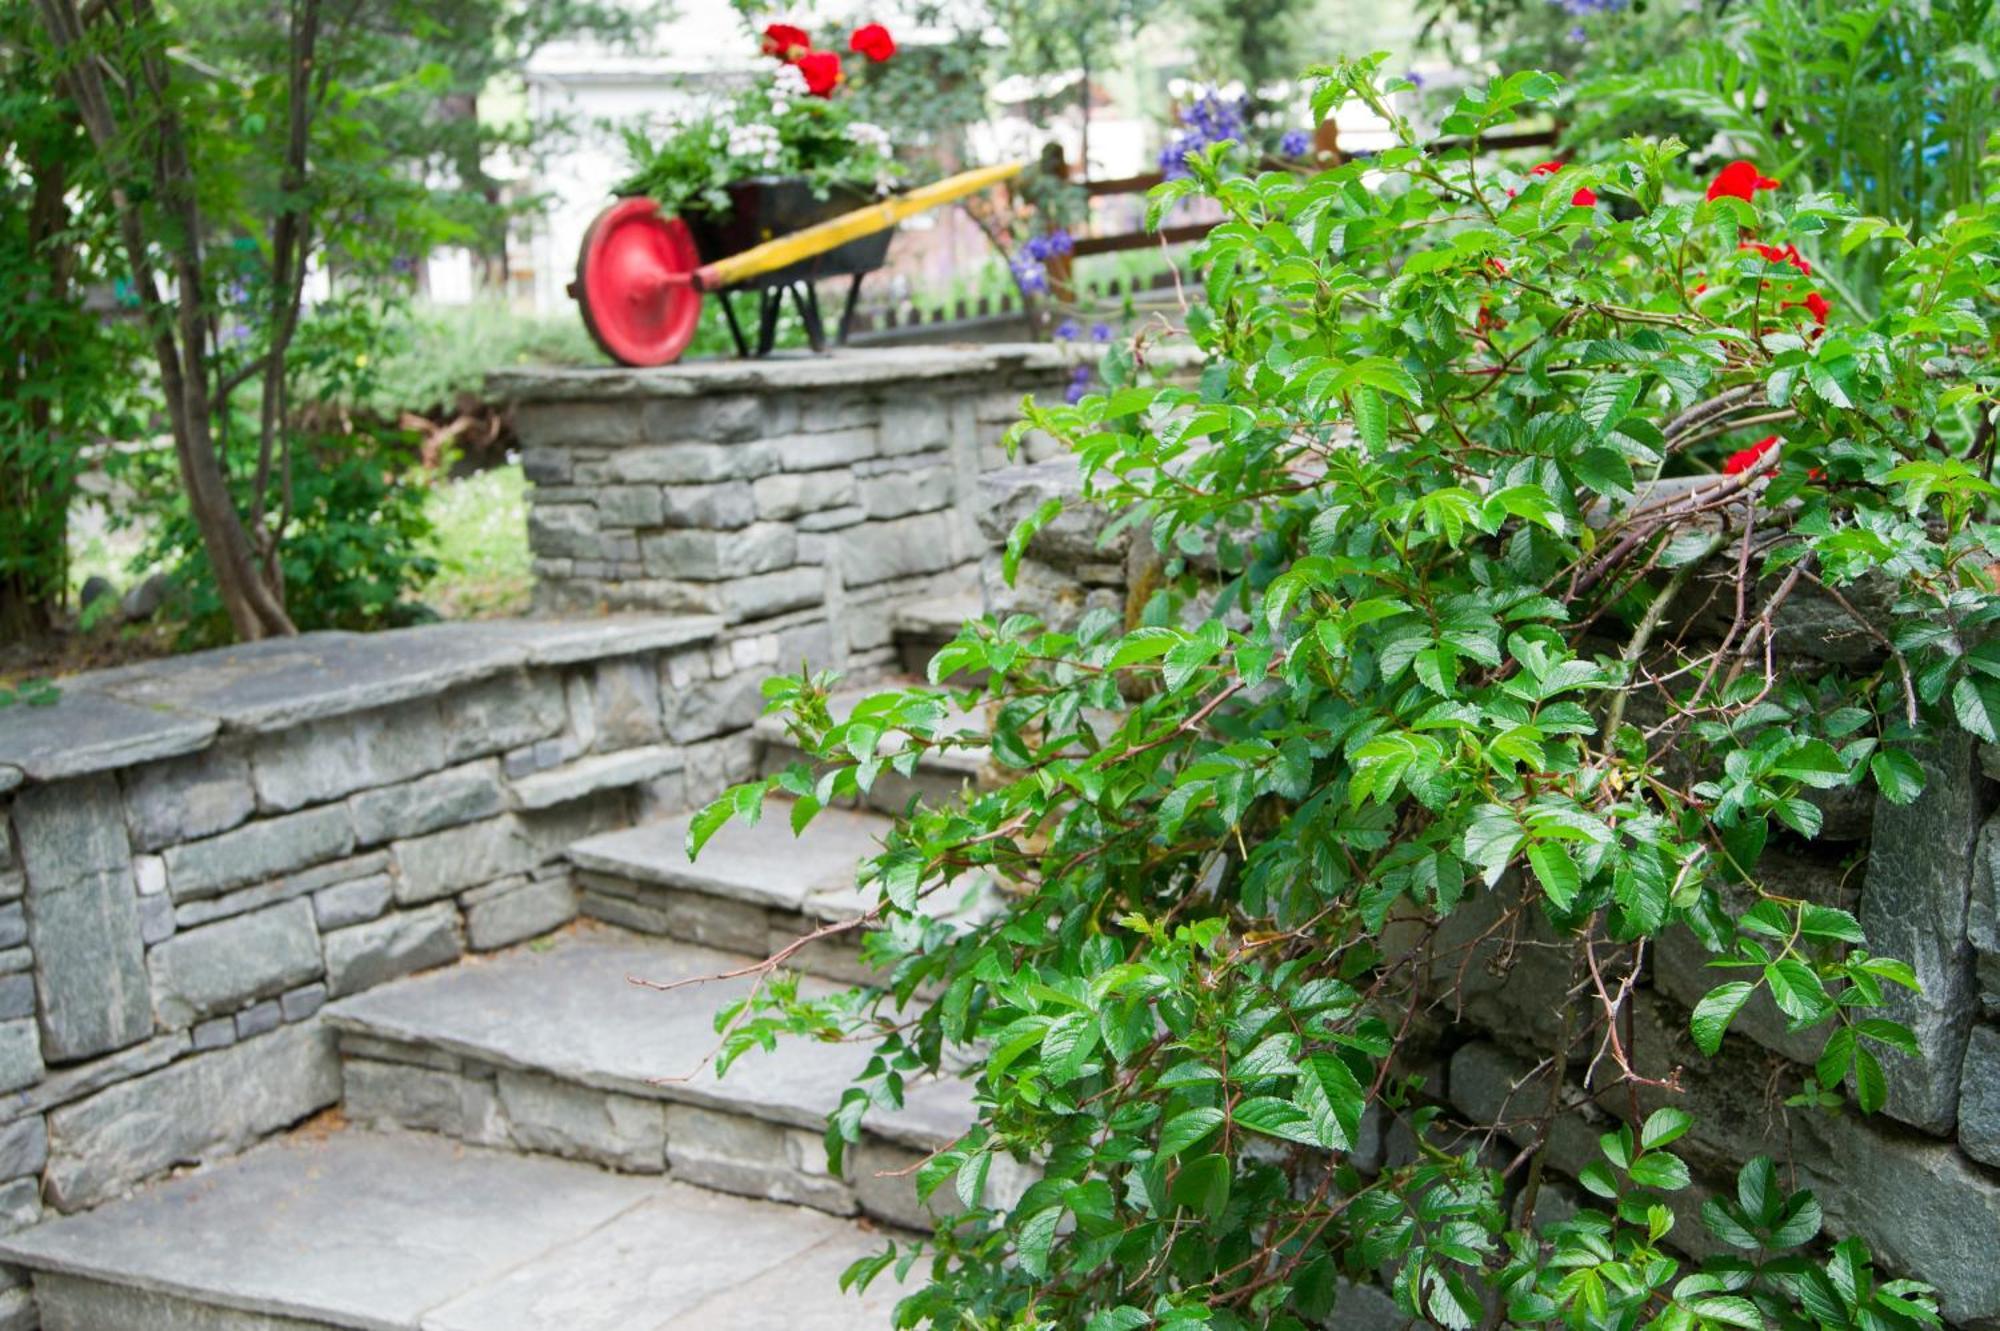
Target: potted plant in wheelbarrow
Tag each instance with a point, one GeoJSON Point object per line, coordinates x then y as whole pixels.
{"type": "Point", "coordinates": [784, 154]}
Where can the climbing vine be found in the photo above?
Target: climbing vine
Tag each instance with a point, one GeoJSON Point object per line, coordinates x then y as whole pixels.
{"type": "Point", "coordinates": [1476, 540]}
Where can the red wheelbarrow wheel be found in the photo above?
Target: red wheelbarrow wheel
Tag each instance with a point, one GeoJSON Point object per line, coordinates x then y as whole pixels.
{"type": "Point", "coordinates": [632, 282]}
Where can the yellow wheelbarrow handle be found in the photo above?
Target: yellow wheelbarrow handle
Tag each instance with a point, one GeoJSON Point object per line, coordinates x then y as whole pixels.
{"type": "Point", "coordinates": [789, 249]}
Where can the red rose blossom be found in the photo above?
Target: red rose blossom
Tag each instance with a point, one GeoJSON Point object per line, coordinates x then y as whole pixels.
{"type": "Point", "coordinates": [1774, 254]}
{"type": "Point", "coordinates": [1744, 459]}
{"type": "Point", "coordinates": [1545, 168]}
{"type": "Point", "coordinates": [872, 40]}
{"type": "Point", "coordinates": [786, 41]}
{"type": "Point", "coordinates": [821, 70]}
{"type": "Point", "coordinates": [1739, 180]}
{"type": "Point", "coordinates": [1583, 198]}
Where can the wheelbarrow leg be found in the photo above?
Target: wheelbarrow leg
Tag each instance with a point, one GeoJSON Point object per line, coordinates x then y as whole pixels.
{"type": "Point", "coordinates": [847, 310]}
{"type": "Point", "coordinates": [807, 301]}
{"type": "Point", "coordinates": [728, 301]}
{"type": "Point", "coordinates": [770, 302]}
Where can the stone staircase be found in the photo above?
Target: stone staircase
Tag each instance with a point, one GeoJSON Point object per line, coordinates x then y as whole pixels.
{"type": "Point", "coordinates": [535, 1139]}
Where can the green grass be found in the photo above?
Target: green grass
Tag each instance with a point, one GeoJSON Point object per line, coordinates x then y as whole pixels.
{"type": "Point", "coordinates": [481, 545]}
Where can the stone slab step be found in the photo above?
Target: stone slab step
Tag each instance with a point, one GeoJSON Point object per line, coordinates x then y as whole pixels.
{"type": "Point", "coordinates": [410, 1232]}
{"type": "Point", "coordinates": [939, 777]}
{"type": "Point", "coordinates": [754, 889]}
{"type": "Point", "coordinates": [553, 1048]}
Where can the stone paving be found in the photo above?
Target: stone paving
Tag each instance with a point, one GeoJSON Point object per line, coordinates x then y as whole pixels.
{"type": "Point", "coordinates": [415, 1233]}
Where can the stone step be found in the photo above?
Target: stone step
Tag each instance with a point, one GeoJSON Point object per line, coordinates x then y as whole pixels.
{"type": "Point", "coordinates": [414, 1232]}
{"type": "Point", "coordinates": [939, 777]}
{"type": "Point", "coordinates": [922, 627]}
{"type": "Point", "coordinates": [554, 1047]}
{"type": "Point", "coordinates": [754, 889]}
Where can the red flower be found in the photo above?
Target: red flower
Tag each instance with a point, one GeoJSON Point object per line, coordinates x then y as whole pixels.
{"type": "Point", "coordinates": [1498, 267]}
{"type": "Point", "coordinates": [821, 70]}
{"type": "Point", "coordinates": [1546, 168]}
{"type": "Point", "coordinates": [1817, 304]}
{"type": "Point", "coordinates": [1772, 254]}
{"type": "Point", "coordinates": [1744, 459]}
{"type": "Point", "coordinates": [1583, 198]}
{"type": "Point", "coordinates": [1739, 180]}
{"type": "Point", "coordinates": [872, 40]}
{"type": "Point", "coordinates": [786, 42]}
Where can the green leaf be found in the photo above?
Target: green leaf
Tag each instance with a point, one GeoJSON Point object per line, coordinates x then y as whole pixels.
{"type": "Point", "coordinates": [1977, 707]}
{"type": "Point", "coordinates": [1333, 1101]}
{"type": "Point", "coordinates": [1897, 775]}
{"type": "Point", "coordinates": [1185, 1129]}
{"type": "Point", "coordinates": [1203, 1185]}
{"type": "Point", "coordinates": [1662, 1170]}
{"type": "Point", "coordinates": [1796, 990]}
{"type": "Point", "coordinates": [1606, 399]}
{"type": "Point", "coordinates": [1023, 533]}
{"type": "Point", "coordinates": [1715, 1011]}
{"type": "Point", "coordinates": [1371, 419]}
{"type": "Point", "coordinates": [1556, 872]}
{"type": "Point", "coordinates": [971, 1181]}
{"type": "Point", "coordinates": [1871, 1088]}
{"type": "Point", "coordinates": [1066, 1046]}
{"type": "Point", "coordinates": [1144, 644]}
{"type": "Point", "coordinates": [1037, 1236]}
{"type": "Point", "coordinates": [1664, 1125]}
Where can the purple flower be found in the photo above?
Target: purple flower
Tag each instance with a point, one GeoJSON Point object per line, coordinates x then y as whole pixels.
{"type": "Point", "coordinates": [1209, 120]}
{"type": "Point", "coordinates": [1068, 330]}
{"type": "Point", "coordinates": [1079, 384]}
{"type": "Point", "coordinates": [1049, 244]}
{"type": "Point", "coordinates": [1416, 79]}
{"type": "Point", "coordinates": [1100, 332]}
{"type": "Point", "coordinates": [1029, 274]}
{"type": "Point", "coordinates": [1294, 143]}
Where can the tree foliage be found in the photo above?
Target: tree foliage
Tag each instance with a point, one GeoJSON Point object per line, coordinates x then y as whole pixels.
{"type": "Point", "coordinates": [238, 156]}
{"type": "Point", "coordinates": [1471, 569]}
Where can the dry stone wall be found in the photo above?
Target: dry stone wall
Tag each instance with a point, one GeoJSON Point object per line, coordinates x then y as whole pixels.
{"type": "Point", "coordinates": [829, 489]}
{"type": "Point", "coordinates": [197, 854]}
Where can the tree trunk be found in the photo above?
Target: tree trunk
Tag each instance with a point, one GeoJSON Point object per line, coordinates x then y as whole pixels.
{"type": "Point", "coordinates": [32, 589]}
{"type": "Point", "coordinates": [254, 607]}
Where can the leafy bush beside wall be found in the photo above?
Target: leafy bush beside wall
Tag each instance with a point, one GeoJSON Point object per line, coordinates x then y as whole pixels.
{"type": "Point", "coordinates": [1477, 452]}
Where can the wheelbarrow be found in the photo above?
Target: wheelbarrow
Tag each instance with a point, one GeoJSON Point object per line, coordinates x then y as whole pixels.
{"type": "Point", "coordinates": [640, 275]}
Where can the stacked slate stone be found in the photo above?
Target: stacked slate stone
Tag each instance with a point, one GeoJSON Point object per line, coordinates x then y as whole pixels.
{"type": "Point", "coordinates": [196, 854]}
{"type": "Point", "coordinates": [832, 490]}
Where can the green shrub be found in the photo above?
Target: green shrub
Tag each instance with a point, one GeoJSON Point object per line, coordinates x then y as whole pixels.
{"type": "Point", "coordinates": [355, 546]}
{"type": "Point", "coordinates": [1419, 642]}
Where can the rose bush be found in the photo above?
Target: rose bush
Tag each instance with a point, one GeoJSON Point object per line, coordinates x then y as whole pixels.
{"type": "Point", "coordinates": [1418, 638]}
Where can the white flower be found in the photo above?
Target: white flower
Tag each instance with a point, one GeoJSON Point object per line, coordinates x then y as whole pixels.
{"type": "Point", "coordinates": [869, 138]}
{"type": "Point", "coordinates": [788, 82]}
{"type": "Point", "coordinates": [756, 144]}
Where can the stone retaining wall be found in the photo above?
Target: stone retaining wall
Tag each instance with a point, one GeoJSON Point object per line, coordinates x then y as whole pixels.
{"type": "Point", "coordinates": [831, 488]}
{"type": "Point", "coordinates": [196, 854]}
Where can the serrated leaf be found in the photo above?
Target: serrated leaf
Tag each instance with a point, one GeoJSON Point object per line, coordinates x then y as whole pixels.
{"type": "Point", "coordinates": [1556, 872]}
{"type": "Point", "coordinates": [1185, 1129]}
{"type": "Point", "coordinates": [1715, 1011]}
